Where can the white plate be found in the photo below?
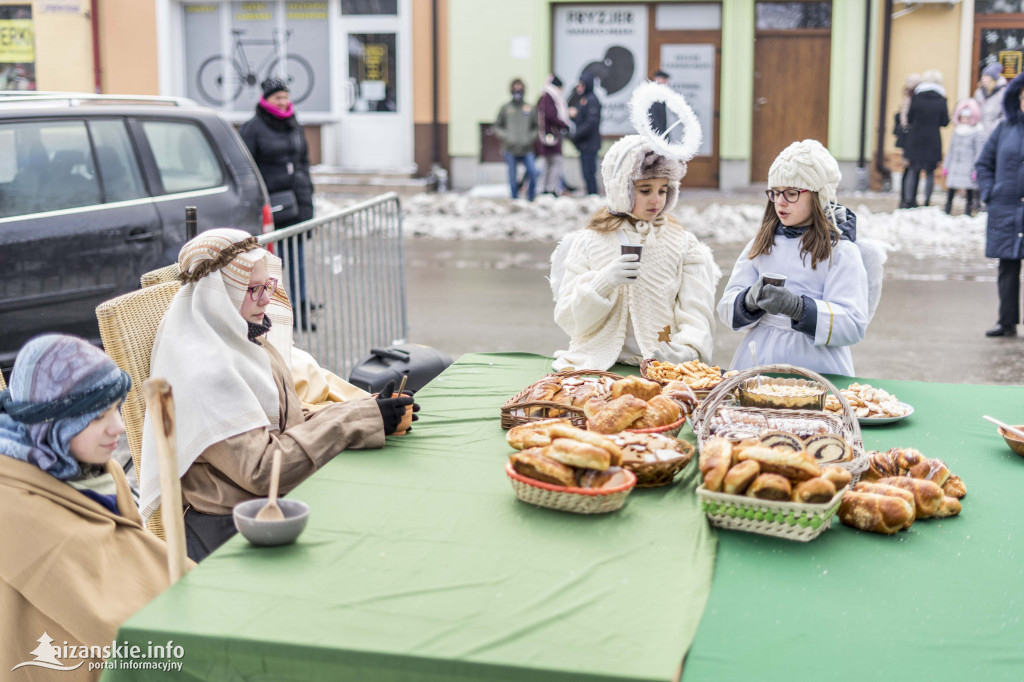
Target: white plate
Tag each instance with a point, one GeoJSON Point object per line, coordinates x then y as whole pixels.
{"type": "Point", "coordinates": [876, 421]}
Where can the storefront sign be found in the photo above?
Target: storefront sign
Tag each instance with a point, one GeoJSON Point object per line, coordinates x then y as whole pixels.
{"type": "Point", "coordinates": [609, 42]}
{"type": "Point", "coordinates": [1011, 62]}
{"type": "Point", "coordinates": [17, 48]}
{"type": "Point", "coordinates": [691, 70]}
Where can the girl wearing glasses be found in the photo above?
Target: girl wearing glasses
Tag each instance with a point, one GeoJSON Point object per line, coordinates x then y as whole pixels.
{"type": "Point", "coordinates": [820, 308]}
{"type": "Point", "coordinates": [222, 345]}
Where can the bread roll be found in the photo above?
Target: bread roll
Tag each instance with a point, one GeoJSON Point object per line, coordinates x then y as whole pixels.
{"type": "Point", "coordinates": [636, 386]}
{"type": "Point", "coordinates": [950, 507]}
{"type": "Point", "coordinates": [714, 446]}
{"type": "Point", "coordinates": [782, 440]}
{"type": "Point", "coordinates": [681, 392]}
{"type": "Point", "coordinates": [714, 470]}
{"type": "Point", "coordinates": [533, 464]}
{"type": "Point", "coordinates": [542, 390]}
{"type": "Point", "coordinates": [562, 429]}
{"type": "Point", "coordinates": [938, 472]}
{"type": "Point", "coordinates": [592, 478]}
{"type": "Point", "coordinates": [912, 463]}
{"type": "Point", "coordinates": [533, 434]}
{"type": "Point", "coordinates": [828, 448]}
{"type": "Point", "coordinates": [739, 477]}
{"type": "Point", "coordinates": [661, 411]}
{"type": "Point", "coordinates": [839, 476]}
{"type": "Point", "coordinates": [796, 466]}
{"type": "Point", "coordinates": [880, 465]}
{"type": "Point", "coordinates": [927, 495]}
{"type": "Point", "coordinates": [954, 487]}
{"type": "Point", "coordinates": [814, 491]}
{"type": "Point", "coordinates": [576, 454]}
{"type": "Point", "coordinates": [877, 488]}
{"type": "Point", "coordinates": [618, 414]}
{"type": "Point", "coordinates": [770, 487]}
{"type": "Point", "coordinates": [875, 513]}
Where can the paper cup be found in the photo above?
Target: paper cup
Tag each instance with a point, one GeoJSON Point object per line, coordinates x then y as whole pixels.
{"type": "Point", "coordinates": [773, 278]}
{"type": "Point", "coordinates": [638, 249]}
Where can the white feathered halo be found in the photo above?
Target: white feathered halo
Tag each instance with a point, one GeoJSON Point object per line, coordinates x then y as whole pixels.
{"type": "Point", "coordinates": [650, 93]}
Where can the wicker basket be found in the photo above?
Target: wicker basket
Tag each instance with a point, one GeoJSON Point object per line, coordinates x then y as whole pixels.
{"type": "Point", "coordinates": [701, 393]}
{"type": "Point", "coordinates": [788, 520]}
{"type": "Point", "coordinates": [513, 412]}
{"type": "Point", "coordinates": [845, 424]}
{"type": "Point", "coordinates": [576, 500]}
{"type": "Point", "coordinates": [656, 474]}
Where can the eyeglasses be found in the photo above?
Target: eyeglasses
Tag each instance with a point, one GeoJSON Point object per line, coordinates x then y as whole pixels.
{"type": "Point", "coordinates": [792, 195]}
{"type": "Point", "coordinates": [256, 292]}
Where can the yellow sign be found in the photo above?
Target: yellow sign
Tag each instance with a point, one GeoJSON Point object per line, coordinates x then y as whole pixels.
{"type": "Point", "coordinates": [17, 41]}
{"type": "Point", "coordinates": [375, 62]}
{"type": "Point", "coordinates": [1011, 62]}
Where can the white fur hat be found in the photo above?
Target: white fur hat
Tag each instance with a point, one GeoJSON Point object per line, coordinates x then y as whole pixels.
{"type": "Point", "coordinates": [807, 165]}
{"type": "Point", "coordinates": [631, 159]}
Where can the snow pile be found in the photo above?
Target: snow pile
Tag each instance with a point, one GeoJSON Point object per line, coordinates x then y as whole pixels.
{"type": "Point", "coordinates": [920, 232]}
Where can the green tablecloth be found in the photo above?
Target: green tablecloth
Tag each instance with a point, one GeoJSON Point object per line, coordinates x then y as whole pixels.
{"type": "Point", "coordinates": [419, 563]}
{"type": "Point", "coordinates": [942, 601]}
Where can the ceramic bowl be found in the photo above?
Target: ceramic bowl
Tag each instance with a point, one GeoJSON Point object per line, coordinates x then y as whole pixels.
{"type": "Point", "coordinates": [1015, 443]}
{"type": "Point", "coordinates": [270, 533]}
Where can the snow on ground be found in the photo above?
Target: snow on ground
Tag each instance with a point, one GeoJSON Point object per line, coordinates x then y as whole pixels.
{"type": "Point", "coordinates": [921, 232]}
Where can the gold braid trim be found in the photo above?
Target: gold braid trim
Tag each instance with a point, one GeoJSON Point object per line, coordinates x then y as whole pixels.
{"type": "Point", "coordinates": [226, 256]}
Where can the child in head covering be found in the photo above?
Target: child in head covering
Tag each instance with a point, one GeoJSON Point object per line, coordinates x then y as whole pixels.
{"type": "Point", "coordinates": [964, 147]}
{"type": "Point", "coordinates": [822, 308]}
{"type": "Point", "coordinates": [627, 307]}
{"type": "Point", "coordinates": [235, 400]}
{"type": "Point", "coordinates": [76, 561]}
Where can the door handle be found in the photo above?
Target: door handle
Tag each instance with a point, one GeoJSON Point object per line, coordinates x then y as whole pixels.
{"type": "Point", "coordinates": [140, 235]}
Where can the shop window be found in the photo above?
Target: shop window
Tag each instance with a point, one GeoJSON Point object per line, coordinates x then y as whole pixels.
{"type": "Point", "coordinates": [999, 6]}
{"type": "Point", "coordinates": [1003, 46]}
{"type": "Point", "coordinates": [387, 7]}
{"type": "Point", "coordinates": [372, 68]}
{"type": "Point", "coordinates": [183, 156]}
{"type": "Point", "coordinates": [773, 16]}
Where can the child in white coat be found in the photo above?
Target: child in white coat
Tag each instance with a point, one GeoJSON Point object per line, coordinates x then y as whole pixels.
{"type": "Point", "coordinates": [626, 307]}
{"type": "Point", "coordinates": [822, 309]}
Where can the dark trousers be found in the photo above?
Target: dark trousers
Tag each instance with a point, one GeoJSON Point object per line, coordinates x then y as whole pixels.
{"type": "Point", "coordinates": [1009, 292]}
{"type": "Point", "coordinates": [206, 532]}
{"type": "Point", "coordinates": [910, 180]}
{"type": "Point", "coordinates": [969, 210]}
{"type": "Point", "coordinates": [295, 262]}
{"type": "Point", "coordinates": [588, 166]}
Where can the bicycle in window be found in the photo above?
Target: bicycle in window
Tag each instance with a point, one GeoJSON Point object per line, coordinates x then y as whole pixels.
{"type": "Point", "coordinates": [221, 79]}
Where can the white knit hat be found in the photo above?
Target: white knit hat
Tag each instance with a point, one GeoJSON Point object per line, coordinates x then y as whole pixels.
{"type": "Point", "coordinates": [807, 165]}
{"type": "Point", "coordinates": [632, 159]}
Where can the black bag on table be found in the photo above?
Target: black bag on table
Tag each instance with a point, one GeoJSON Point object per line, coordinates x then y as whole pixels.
{"type": "Point", "coordinates": [419, 363]}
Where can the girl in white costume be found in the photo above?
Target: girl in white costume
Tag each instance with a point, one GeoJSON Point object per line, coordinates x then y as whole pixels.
{"type": "Point", "coordinates": [822, 309]}
{"type": "Point", "coordinates": [626, 307]}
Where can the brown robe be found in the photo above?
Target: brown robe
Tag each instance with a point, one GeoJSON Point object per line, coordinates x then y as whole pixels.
{"type": "Point", "coordinates": [238, 468]}
{"type": "Point", "coordinates": [69, 567]}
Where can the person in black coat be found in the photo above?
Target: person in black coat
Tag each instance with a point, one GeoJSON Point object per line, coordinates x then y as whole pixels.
{"type": "Point", "coordinates": [587, 136]}
{"type": "Point", "coordinates": [658, 112]}
{"type": "Point", "coordinates": [278, 145]}
{"type": "Point", "coordinates": [1001, 185]}
{"type": "Point", "coordinates": [923, 149]}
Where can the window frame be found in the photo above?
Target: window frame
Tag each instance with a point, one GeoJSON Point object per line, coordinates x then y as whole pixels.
{"type": "Point", "coordinates": [152, 169]}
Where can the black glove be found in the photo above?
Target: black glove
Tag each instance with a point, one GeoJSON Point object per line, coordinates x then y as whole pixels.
{"type": "Point", "coordinates": [393, 409]}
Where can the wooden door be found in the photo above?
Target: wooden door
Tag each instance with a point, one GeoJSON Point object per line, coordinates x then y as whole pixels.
{"type": "Point", "coordinates": [791, 86]}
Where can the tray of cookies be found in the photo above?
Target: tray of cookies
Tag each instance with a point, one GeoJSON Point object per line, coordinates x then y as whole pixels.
{"type": "Point", "coordinates": [767, 487]}
{"type": "Point", "coordinates": [873, 406]}
{"type": "Point", "coordinates": [562, 394]}
{"type": "Point", "coordinates": [697, 375]}
{"type": "Point", "coordinates": [562, 467]}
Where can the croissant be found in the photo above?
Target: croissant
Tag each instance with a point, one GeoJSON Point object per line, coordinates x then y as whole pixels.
{"type": "Point", "coordinates": [661, 411]}
{"type": "Point", "coordinates": [880, 465]}
{"type": "Point", "coordinates": [559, 429]}
{"type": "Point", "coordinates": [770, 487]}
{"type": "Point", "coordinates": [715, 446]}
{"type": "Point", "coordinates": [938, 472]}
{"type": "Point", "coordinates": [542, 390]}
{"type": "Point", "coordinates": [714, 470]}
{"type": "Point", "coordinates": [635, 386]}
{"type": "Point", "coordinates": [875, 513]}
{"type": "Point", "coordinates": [927, 495]}
{"type": "Point", "coordinates": [839, 476]}
{"type": "Point", "coordinates": [911, 462]}
{"type": "Point", "coordinates": [739, 477]}
{"type": "Point", "coordinates": [888, 491]}
{"type": "Point", "coordinates": [532, 434]}
{"type": "Point", "coordinates": [950, 507]}
{"type": "Point", "coordinates": [797, 466]}
{"type": "Point", "coordinates": [814, 491]}
{"type": "Point", "coordinates": [576, 454]}
{"type": "Point", "coordinates": [533, 464]}
{"type": "Point", "coordinates": [618, 414]}
{"type": "Point", "coordinates": [593, 406]}
{"type": "Point", "coordinates": [954, 487]}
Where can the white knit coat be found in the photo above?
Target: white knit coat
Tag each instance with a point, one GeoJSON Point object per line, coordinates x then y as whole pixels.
{"type": "Point", "coordinates": [675, 288]}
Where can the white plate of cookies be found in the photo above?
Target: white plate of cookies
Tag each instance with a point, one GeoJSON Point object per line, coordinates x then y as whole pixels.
{"type": "Point", "coordinates": [873, 406]}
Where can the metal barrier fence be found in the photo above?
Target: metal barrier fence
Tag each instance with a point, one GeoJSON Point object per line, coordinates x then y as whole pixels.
{"type": "Point", "coordinates": [345, 275]}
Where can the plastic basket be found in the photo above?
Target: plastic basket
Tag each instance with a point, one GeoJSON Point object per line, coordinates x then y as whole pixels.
{"type": "Point", "coordinates": [514, 411]}
{"type": "Point", "coordinates": [575, 500]}
{"type": "Point", "coordinates": [798, 521]}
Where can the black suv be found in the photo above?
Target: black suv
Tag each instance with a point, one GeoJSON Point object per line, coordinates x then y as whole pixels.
{"type": "Point", "coordinates": [93, 190]}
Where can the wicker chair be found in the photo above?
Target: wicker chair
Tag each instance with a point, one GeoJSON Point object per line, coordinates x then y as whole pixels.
{"type": "Point", "coordinates": [3, 385]}
{"type": "Point", "coordinates": [168, 273]}
{"type": "Point", "coordinates": [128, 327]}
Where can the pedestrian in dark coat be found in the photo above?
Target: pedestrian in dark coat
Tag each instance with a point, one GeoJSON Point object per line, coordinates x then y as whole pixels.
{"type": "Point", "coordinates": [658, 113]}
{"type": "Point", "coordinates": [928, 113]}
{"type": "Point", "coordinates": [587, 138]}
{"type": "Point", "coordinates": [1001, 184]}
{"type": "Point", "coordinates": [552, 124]}
{"type": "Point", "coordinates": [278, 145]}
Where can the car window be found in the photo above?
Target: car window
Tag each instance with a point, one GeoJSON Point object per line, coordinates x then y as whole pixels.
{"type": "Point", "coordinates": [119, 171]}
{"type": "Point", "coordinates": [183, 156]}
{"type": "Point", "coordinates": [46, 166]}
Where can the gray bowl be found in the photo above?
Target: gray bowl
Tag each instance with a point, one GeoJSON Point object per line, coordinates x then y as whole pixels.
{"type": "Point", "coordinates": [269, 533]}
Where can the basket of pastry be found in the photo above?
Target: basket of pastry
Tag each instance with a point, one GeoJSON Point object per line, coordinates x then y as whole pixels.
{"type": "Point", "coordinates": [899, 487]}
{"type": "Point", "coordinates": [715, 417]}
{"type": "Point", "coordinates": [563, 467]}
{"type": "Point", "coordinates": [776, 491]}
{"type": "Point", "coordinates": [697, 375]}
{"type": "Point", "coordinates": [562, 394]}
{"type": "Point", "coordinates": [641, 406]}
{"type": "Point", "coordinates": [654, 458]}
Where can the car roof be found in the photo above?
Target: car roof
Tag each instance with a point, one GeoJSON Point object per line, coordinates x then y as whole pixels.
{"type": "Point", "coordinates": [51, 104]}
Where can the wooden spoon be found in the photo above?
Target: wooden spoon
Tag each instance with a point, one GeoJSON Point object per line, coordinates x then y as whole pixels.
{"type": "Point", "coordinates": [271, 511]}
{"type": "Point", "coordinates": [1012, 429]}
